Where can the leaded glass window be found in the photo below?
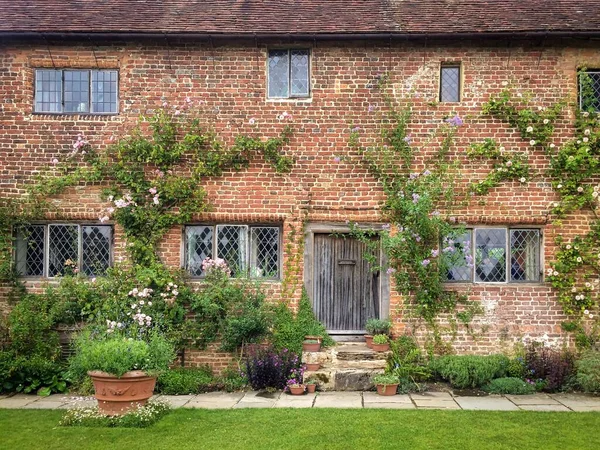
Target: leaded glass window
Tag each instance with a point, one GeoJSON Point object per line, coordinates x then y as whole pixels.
{"type": "Point", "coordinates": [525, 255]}
{"type": "Point", "coordinates": [450, 84]}
{"type": "Point", "coordinates": [589, 90]}
{"type": "Point", "coordinates": [248, 250]}
{"type": "Point", "coordinates": [288, 73]}
{"type": "Point", "coordinates": [76, 91]}
{"type": "Point", "coordinates": [45, 250]}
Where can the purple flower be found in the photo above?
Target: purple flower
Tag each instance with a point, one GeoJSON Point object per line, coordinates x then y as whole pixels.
{"type": "Point", "coordinates": [434, 253]}
{"type": "Point", "coordinates": [386, 226]}
{"type": "Point", "coordinates": [337, 159]}
{"type": "Point", "coordinates": [407, 139]}
{"type": "Point", "coordinates": [427, 173]}
{"type": "Point", "coordinates": [425, 262]}
{"type": "Point", "coordinates": [455, 121]}
{"type": "Point", "coordinates": [416, 198]}
{"type": "Point", "coordinates": [372, 108]}
{"type": "Point", "coordinates": [391, 270]}
{"type": "Point", "coordinates": [412, 176]}
{"type": "Point", "coordinates": [355, 129]}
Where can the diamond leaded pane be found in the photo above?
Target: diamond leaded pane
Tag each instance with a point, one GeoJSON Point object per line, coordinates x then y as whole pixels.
{"type": "Point", "coordinates": [457, 257]}
{"type": "Point", "coordinates": [524, 255]}
{"type": "Point", "coordinates": [279, 71]}
{"type": "Point", "coordinates": [299, 72]}
{"type": "Point", "coordinates": [490, 255]}
{"type": "Point", "coordinates": [264, 252]}
{"type": "Point", "coordinates": [63, 245]}
{"type": "Point", "coordinates": [48, 91]}
{"type": "Point", "coordinates": [199, 245]}
{"type": "Point", "coordinates": [96, 249]}
{"type": "Point", "coordinates": [450, 84]}
{"type": "Point", "coordinates": [30, 251]}
{"type": "Point", "coordinates": [589, 89]}
{"type": "Point", "coordinates": [232, 245]}
{"type": "Point", "coordinates": [104, 91]}
{"type": "Point", "coordinates": [77, 90]}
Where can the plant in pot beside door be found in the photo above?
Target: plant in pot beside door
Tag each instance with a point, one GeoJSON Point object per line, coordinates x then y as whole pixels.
{"type": "Point", "coordinates": [123, 368]}
{"type": "Point", "coordinates": [386, 384]}
{"type": "Point", "coordinates": [381, 343]}
{"type": "Point", "coordinates": [311, 345]}
{"type": "Point", "coordinates": [376, 326]}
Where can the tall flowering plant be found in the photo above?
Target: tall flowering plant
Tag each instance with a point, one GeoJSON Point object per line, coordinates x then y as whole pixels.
{"type": "Point", "coordinates": [271, 369]}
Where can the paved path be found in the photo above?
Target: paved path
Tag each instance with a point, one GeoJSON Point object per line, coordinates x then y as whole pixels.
{"type": "Point", "coordinates": [252, 399]}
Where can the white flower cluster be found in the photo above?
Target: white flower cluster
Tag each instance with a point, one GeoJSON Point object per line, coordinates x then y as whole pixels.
{"type": "Point", "coordinates": [141, 416]}
{"type": "Point", "coordinates": [141, 318]}
{"type": "Point", "coordinates": [171, 295]}
{"type": "Point", "coordinates": [210, 264]}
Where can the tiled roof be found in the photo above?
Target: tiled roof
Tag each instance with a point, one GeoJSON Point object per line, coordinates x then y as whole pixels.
{"type": "Point", "coordinates": [300, 17]}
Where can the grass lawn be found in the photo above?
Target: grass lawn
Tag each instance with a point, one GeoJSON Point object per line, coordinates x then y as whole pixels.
{"type": "Point", "coordinates": [312, 429]}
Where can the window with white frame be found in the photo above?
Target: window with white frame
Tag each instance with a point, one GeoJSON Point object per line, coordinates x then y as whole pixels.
{"type": "Point", "coordinates": [248, 250]}
{"type": "Point", "coordinates": [589, 90]}
{"type": "Point", "coordinates": [43, 250]}
{"type": "Point", "coordinates": [493, 255]}
{"type": "Point", "coordinates": [76, 91]}
{"type": "Point", "coordinates": [288, 73]}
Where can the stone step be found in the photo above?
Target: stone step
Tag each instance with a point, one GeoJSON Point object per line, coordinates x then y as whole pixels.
{"type": "Point", "coordinates": [358, 353]}
{"type": "Point", "coordinates": [347, 379]}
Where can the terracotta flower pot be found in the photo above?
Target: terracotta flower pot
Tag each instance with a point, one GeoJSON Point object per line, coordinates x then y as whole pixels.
{"type": "Point", "coordinates": [313, 367]}
{"type": "Point", "coordinates": [116, 396]}
{"type": "Point", "coordinates": [297, 390]}
{"type": "Point", "coordinates": [311, 388]}
{"type": "Point", "coordinates": [311, 347]}
{"type": "Point", "coordinates": [381, 347]}
{"type": "Point", "coordinates": [369, 340]}
{"type": "Point", "coordinates": [313, 338]}
{"type": "Point", "coordinates": [387, 389]}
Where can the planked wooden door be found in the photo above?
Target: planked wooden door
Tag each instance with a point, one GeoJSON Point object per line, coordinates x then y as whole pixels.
{"type": "Point", "coordinates": [346, 291]}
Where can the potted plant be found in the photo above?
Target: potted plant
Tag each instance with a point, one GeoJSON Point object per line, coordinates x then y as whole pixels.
{"type": "Point", "coordinates": [123, 368]}
{"type": "Point", "coordinates": [294, 384]}
{"type": "Point", "coordinates": [376, 326]}
{"type": "Point", "coordinates": [387, 384]}
{"type": "Point", "coordinates": [311, 345]}
{"type": "Point", "coordinates": [311, 385]}
{"type": "Point", "coordinates": [381, 343]}
{"type": "Point", "coordinates": [311, 337]}
{"type": "Point", "coordinates": [311, 367]}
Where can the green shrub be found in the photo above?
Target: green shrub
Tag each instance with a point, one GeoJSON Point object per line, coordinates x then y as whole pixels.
{"type": "Point", "coordinates": [509, 385]}
{"type": "Point", "coordinates": [408, 364]}
{"type": "Point", "coordinates": [588, 371]}
{"type": "Point", "coordinates": [470, 371]}
{"type": "Point", "coordinates": [231, 380]}
{"type": "Point", "coordinates": [31, 374]}
{"type": "Point", "coordinates": [378, 326]}
{"type": "Point", "coordinates": [517, 368]}
{"type": "Point", "coordinates": [183, 381]}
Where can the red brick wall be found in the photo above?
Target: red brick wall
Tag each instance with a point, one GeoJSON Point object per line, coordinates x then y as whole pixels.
{"type": "Point", "coordinates": [229, 83]}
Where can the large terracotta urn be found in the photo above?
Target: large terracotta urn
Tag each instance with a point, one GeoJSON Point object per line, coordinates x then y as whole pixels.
{"type": "Point", "coordinates": [116, 396]}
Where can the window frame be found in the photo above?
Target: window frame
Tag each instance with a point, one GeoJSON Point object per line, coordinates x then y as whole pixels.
{"type": "Point", "coordinates": [62, 112]}
{"type": "Point", "coordinates": [451, 65]}
{"type": "Point", "coordinates": [248, 251]}
{"type": "Point", "coordinates": [508, 268]}
{"type": "Point", "coordinates": [580, 89]}
{"type": "Point", "coordinates": [80, 226]}
{"type": "Point", "coordinates": [308, 95]}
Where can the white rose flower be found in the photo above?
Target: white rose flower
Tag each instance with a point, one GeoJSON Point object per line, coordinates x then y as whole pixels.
{"type": "Point", "coordinates": [532, 142]}
{"type": "Point", "coordinates": [529, 129]}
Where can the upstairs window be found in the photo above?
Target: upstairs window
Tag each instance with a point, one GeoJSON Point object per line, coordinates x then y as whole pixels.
{"type": "Point", "coordinates": [76, 91]}
{"type": "Point", "coordinates": [288, 74]}
{"type": "Point", "coordinates": [589, 90]}
{"type": "Point", "coordinates": [45, 250]}
{"type": "Point", "coordinates": [248, 250]}
{"type": "Point", "coordinates": [450, 83]}
{"type": "Point", "coordinates": [493, 255]}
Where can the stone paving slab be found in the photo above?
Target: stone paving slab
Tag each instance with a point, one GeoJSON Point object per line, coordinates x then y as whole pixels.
{"type": "Point", "coordinates": [339, 400]}
{"type": "Point", "coordinates": [295, 401]}
{"type": "Point", "coordinates": [556, 408]}
{"type": "Point", "coordinates": [491, 403]}
{"type": "Point", "coordinates": [374, 397]}
{"type": "Point", "coordinates": [18, 401]}
{"type": "Point", "coordinates": [534, 399]}
{"type": "Point", "coordinates": [177, 401]}
{"type": "Point", "coordinates": [579, 402]}
{"type": "Point", "coordinates": [254, 399]}
{"type": "Point", "coordinates": [215, 400]}
{"type": "Point", "coordinates": [434, 400]}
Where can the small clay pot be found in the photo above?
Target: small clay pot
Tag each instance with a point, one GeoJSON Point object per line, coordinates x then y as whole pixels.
{"type": "Point", "coordinates": [296, 390]}
{"type": "Point", "coordinates": [387, 389]}
{"type": "Point", "coordinates": [310, 347]}
{"type": "Point", "coordinates": [313, 338]}
{"type": "Point", "coordinates": [381, 347]}
{"type": "Point", "coordinates": [369, 340]}
{"type": "Point", "coordinates": [313, 367]}
{"type": "Point", "coordinates": [311, 388]}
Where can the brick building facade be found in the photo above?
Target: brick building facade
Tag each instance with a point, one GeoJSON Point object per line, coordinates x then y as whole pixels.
{"type": "Point", "coordinates": [228, 78]}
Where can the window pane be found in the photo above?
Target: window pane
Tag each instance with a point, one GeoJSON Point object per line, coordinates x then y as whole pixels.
{"type": "Point", "coordinates": [450, 84]}
{"type": "Point", "coordinates": [232, 243]}
{"type": "Point", "coordinates": [490, 255]}
{"type": "Point", "coordinates": [96, 242]}
{"type": "Point", "coordinates": [524, 255]}
{"type": "Point", "coordinates": [279, 74]}
{"type": "Point", "coordinates": [299, 72]}
{"type": "Point", "coordinates": [76, 88]}
{"type": "Point", "coordinates": [48, 91]}
{"type": "Point", "coordinates": [589, 88]}
{"type": "Point", "coordinates": [264, 252]}
{"type": "Point", "coordinates": [63, 245]}
{"type": "Point", "coordinates": [104, 91]}
{"type": "Point", "coordinates": [457, 259]}
{"type": "Point", "coordinates": [198, 246]}
{"type": "Point", "coordinates": [30, 251]}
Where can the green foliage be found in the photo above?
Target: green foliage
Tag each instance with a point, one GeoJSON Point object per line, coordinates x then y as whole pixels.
{"type": "Point", "coordinates": [378, 326]}
{"type": "Point", "coordinates": [386, 379]}
{"type": "Point", "coordinates": [380, 339]}
{"type": "Point", "coordinates": [408, 364]}
{"type": "Point", "coordinates": [116, 354]}
{"type": "Point", "coordinates": [588, 371]}
{"type": "Point", "coordinates": [509, 385]}
{"type": "Point", "coordinates": [31, 374]}
{"type": "Point", "coordinates": [140, 417]}
{"type": "Point", "coordinates": [182, 381]}
{"type": "Point", "coordinates": [289, 330]}
{"type": "Point", "coordinates": [517, 368]}
{"type": "Point", "coordinates": [470, 371]}
{"type": "Point", "coordinates": [231, 380]}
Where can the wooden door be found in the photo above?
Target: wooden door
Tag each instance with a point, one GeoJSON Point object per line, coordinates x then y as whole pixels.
{"type": "Point", "coordinates": [346, 290]}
